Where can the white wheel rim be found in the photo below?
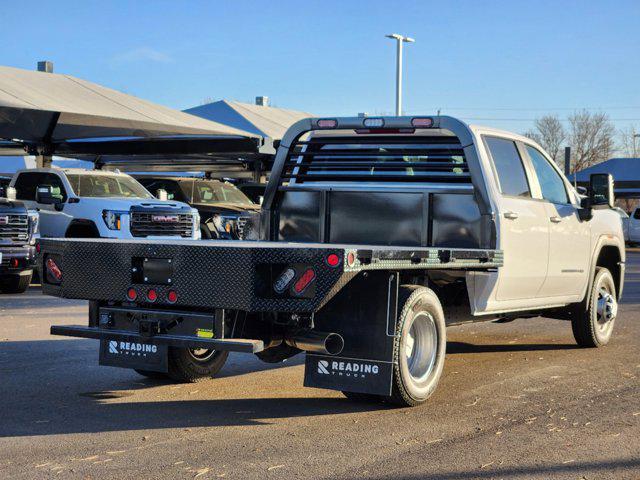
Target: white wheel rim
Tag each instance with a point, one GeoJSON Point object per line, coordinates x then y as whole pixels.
{"type": "Point", "coordinates": [421, 347]}
{"type": "Point", "coordinates": [606, 308]}
{"type": "Point", "coordinates": [201, 354]}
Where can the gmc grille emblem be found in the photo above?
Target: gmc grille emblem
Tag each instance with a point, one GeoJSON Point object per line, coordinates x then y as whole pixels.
{"type": "Point", "coordinates": [165, 218]}
{"type": "Point", "coordinates": [4, 220]}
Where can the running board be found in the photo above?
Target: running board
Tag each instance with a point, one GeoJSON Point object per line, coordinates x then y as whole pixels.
{"type": "Point", "coordinates": [224, 344]}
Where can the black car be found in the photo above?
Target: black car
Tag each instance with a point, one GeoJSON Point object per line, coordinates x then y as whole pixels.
{"type": "Point", "coordinates": [224, 209]}
{"type": "Point", "coordinates": [18, 234]}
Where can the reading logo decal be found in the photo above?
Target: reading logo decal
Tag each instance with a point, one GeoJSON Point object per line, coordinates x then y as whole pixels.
{"type": "Point", "coordinates": [348, 369]}
{"type": "Point", "coordinates": [131, 348]}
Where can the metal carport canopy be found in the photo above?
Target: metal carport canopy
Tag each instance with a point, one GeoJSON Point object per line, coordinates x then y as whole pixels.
{"type": "Point", "coordinates": [625, 172]}
{"type": "Point", "coordinates": [45, 112]}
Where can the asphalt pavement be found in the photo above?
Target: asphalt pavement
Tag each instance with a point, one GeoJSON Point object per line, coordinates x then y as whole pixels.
{"type": "Point", "coordinates": [516, 400]}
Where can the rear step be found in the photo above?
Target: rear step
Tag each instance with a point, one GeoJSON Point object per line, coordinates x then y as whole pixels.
{"type": "Point", "coordinates": [231, 344]}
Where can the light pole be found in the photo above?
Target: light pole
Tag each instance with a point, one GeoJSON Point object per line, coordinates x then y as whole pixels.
{"type": "Point", "coordinates": [400, 40]}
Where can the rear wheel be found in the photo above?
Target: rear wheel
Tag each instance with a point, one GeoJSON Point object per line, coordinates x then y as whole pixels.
{"type": "Point", "coordinates": [420, 346]}
{"type": "Point", "coordinates": [15, 283]}
{"type": "Point", "coordinates": [193, 365]}
{"type": "Point", "coordinates": [419, 349]}
{"type": "Point", "coordinates": [592, 322]}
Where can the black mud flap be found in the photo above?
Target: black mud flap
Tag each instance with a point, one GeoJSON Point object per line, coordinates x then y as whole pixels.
{"type": "Point", "coordinates": [365, 314]}
{"type": "Point", "coordinates": [138, 355]}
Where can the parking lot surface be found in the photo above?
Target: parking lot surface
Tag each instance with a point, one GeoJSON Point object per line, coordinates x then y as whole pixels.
{"type": "Point", "coordinates": [516, 400]}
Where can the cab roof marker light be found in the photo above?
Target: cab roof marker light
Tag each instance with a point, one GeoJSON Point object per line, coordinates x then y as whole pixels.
{"type": "Point", "coordinates": [422, 122]}
{"type": "Point", "coordinates": [371, 122]}
{"type": "Point", "coordinates": [327, 123]}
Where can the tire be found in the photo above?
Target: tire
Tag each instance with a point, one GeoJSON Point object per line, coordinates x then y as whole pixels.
{"type": "Point", "coordinates": [15, 283]}
{"type": "Point", "coordinates": [420, 346]}
{"type": "Point", "coordinates": [592, 322]}
{"type": "Point", "coordinates": [191, 366]}
{"type": "Point", "coordinates": [152, 375]}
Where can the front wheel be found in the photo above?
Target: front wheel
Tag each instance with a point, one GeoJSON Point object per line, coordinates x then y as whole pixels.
{"type": "Point", "coordinates": [593, 322]}
{"type": "Point", "coordinates": [193, 365]}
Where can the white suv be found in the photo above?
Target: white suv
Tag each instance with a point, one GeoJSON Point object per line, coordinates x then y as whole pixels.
{"type": "Point", "coordinates": [76, 203]}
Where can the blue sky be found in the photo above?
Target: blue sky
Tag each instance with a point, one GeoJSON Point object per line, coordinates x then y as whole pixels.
{"type": "Point", "coordinates": [500, 63]}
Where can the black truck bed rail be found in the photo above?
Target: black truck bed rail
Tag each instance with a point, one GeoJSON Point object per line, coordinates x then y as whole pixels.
{"type": "Point", "coordinates": [242, 275]}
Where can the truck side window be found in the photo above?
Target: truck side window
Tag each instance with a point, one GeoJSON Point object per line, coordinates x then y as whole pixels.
{"type": "Point", "coordinates": [26, 185]}
{"type": "Point", "coordinates": [636, 214]}
{"type": "Point", "coordinates": [551, 184]}
{"type": "Point", "coordinates": [509, 167]}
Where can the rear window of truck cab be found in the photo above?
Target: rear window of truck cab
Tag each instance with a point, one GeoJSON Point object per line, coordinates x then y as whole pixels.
{"type": "Point", "coordinates": [509, 167]}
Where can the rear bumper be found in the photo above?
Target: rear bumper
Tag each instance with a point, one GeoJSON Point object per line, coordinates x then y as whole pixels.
{"type": "Point", "coordinates": [180, 341]}
{"type": "Point", "coordinates": [23, 256]}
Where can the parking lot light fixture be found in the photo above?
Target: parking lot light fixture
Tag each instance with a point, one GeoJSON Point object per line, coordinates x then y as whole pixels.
{"type": "Point", "coordinates": [400, 39]}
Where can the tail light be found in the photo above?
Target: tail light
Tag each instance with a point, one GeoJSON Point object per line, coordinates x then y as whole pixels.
{"type": "Point", "coordinates": [132, 294]}
{"type": "Point", "coordinates": [333, 260]}
{"type": "Point", "coordinates": [303, 282]}
{"type": "Point", "coordinates": [53, 269]}
{"type": "Point", "coordinates": [172, 296]}
{"type": "Point", "coordinates": [15, 263]}
{"type": "Point", "coordinates": [152, 295]}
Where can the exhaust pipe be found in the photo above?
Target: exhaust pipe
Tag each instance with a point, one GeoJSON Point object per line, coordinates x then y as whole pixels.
{"type": "Point", "coordinates": [317, 342]}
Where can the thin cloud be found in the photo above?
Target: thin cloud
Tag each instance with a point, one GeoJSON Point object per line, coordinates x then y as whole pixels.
{"type": "Point", "coordinates": [141, 54]}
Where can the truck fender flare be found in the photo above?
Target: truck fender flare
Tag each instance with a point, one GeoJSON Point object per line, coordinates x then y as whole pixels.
{"type": "Point", "coordinates": [603, 241]}
{"type": "Point", "coordinates": [84, 223]}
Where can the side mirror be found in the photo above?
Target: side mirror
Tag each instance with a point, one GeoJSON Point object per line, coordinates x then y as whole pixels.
{"type": "Point", "coordinates": [46, 195]}
{"type": "Point", "coordinates": [161, 194]}
{"type": "Point", "coordinates": [11, 194]}
{"type": "Point", "coordinates": [582, 191]}
{"type": "Point", "coordinates": [601, 190]}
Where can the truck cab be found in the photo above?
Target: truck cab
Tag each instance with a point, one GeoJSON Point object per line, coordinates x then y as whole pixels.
{"type": "Point", "coordinates": [224, 209]}
{"type": "Point", "coordinates": [78, 203]}
{"type": "Point", "coordinates": [18, 235]}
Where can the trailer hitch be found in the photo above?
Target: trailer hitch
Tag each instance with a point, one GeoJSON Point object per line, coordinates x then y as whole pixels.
{"type": "Point", "coordinates": [148, 328]}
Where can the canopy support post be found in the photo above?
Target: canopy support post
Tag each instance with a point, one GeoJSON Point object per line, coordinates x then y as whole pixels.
{"type": "Point", "coordinates": [44, 161]}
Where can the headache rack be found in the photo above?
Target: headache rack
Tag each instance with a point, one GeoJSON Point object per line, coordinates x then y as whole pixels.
{"type": "Point", "coordinates": [377, 158]}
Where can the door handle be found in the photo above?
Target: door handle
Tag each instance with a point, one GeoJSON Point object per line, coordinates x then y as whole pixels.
{"type": "Point", "coordinates": [555, 219]}
{"type": "Point", "coordinates": [510, 215]}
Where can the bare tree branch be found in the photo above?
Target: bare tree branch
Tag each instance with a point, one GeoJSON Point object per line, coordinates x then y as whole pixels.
{"type": "Point", "coordinates": [591, 138]}
{"type": "Point", "coordinates": [629, 142]}
{"type": "Point", "coordinates": [550, 135]}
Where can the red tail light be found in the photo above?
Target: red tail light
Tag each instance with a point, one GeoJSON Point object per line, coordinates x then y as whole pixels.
{"type": "Point", "coordinates": [172, 297]}
{"type": "Point", "coordinates": [54, 269]}
{"type": "Point", "coordinates": [333, 260]}
{"type": "Point", "coordinates": [132, 294]}
{"type": "Point", "coordinates": [38, 248]}
{"type": "Point", "coordinates": [152, 295]}
{"type": "Point", "coordinates": [15, 263]}
{"type": "Point", "coordinates": [304, 281]}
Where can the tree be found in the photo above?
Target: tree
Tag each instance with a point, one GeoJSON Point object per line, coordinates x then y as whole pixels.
{"type": "Point", "coordinates": [549, 134]}
{"type": "Point", "coordinates": [630, 142]}
{"type": "Point", "coordinates": [591, 139]}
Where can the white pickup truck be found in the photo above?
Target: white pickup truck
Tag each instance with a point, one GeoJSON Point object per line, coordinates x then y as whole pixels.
{"type": "Point", "coordinates": [78, 203]}
{"type": "Point", "coordinates": [375, 235]}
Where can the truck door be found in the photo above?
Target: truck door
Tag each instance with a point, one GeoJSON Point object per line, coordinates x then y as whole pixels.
{"type": "Point", "coordinates": [523, 229]}
{"type": "Point", "coordinates": [570, 238]}
{"type": "Point", "coordinates": [53, 223]}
